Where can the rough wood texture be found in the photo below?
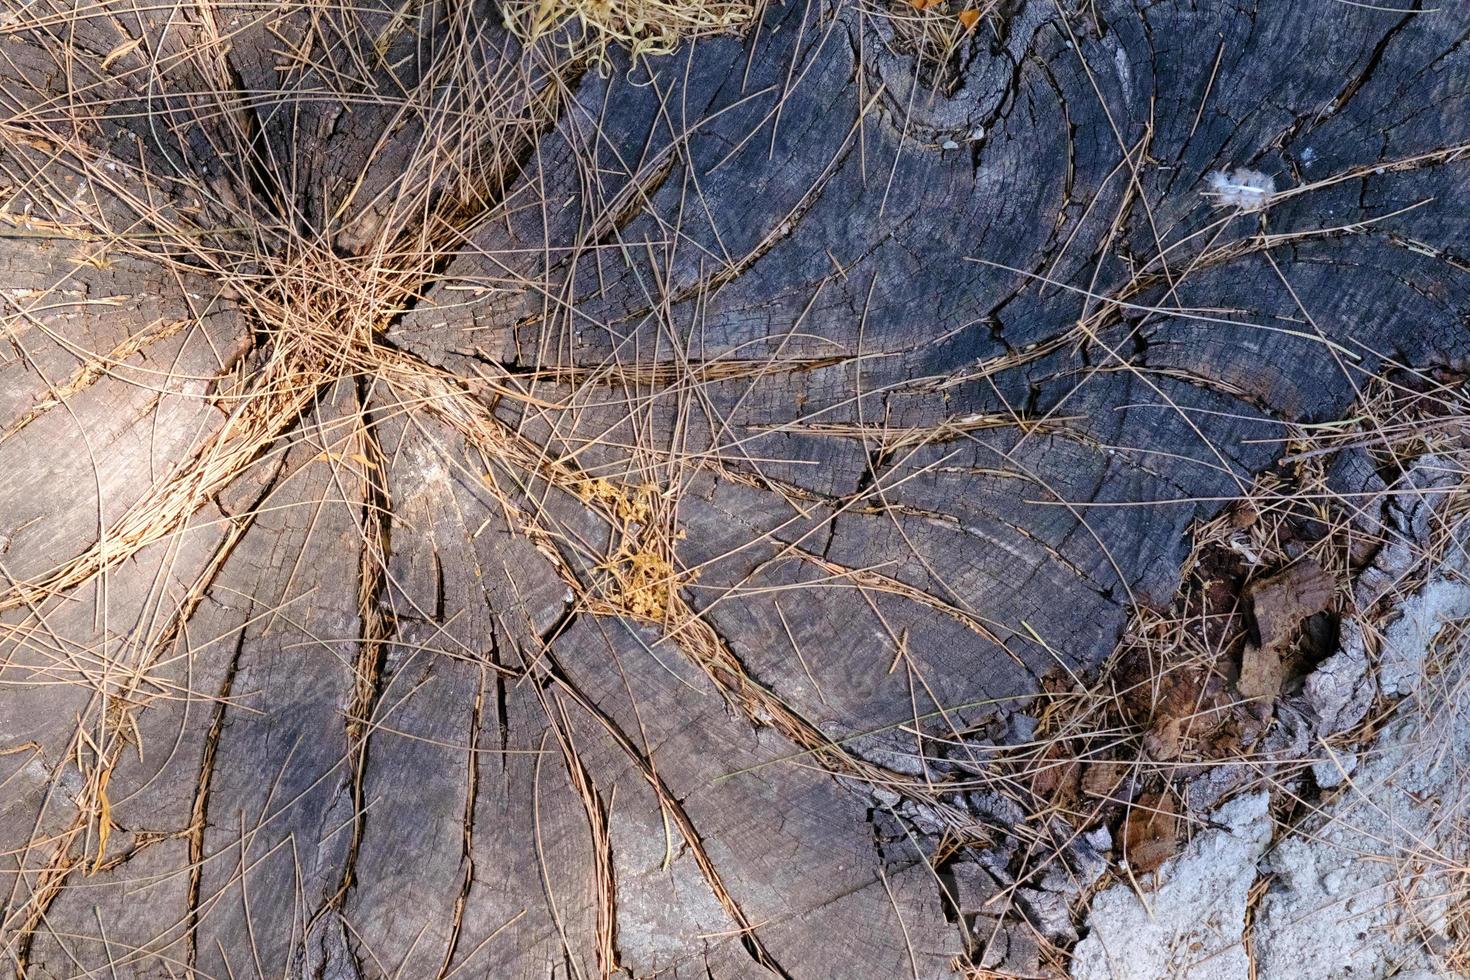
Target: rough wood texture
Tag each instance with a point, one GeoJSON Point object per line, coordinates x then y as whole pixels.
{"type": "Point", "coordinates": [909, 381]}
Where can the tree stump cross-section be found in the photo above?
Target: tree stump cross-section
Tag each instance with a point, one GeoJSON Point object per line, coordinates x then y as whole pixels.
{"type": "Point", "coordinates": [474, 505]}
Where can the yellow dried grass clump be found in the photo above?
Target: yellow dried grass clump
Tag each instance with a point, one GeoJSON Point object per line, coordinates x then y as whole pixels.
{"type": "Point", "coordinates": [586, 28]}
{"type": "Point", "coordinates": [643, 584]}
{"type": "Point", "coordinates": [640, 577]}
{"type": "Point", "coordinates": [629, 505]}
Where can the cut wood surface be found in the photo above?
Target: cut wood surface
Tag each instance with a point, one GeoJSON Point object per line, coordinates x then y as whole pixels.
{"type": "Point", "coordinates": [472, 508]}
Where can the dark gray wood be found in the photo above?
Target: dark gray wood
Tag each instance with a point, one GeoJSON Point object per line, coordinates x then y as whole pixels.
{"type": "Point", "coordinates": [929, 413]}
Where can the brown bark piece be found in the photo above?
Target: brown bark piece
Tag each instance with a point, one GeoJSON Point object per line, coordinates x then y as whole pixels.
{"type": "Point", "coordinates": [1284, 600]}
{"type": "Point", "coordinates": [1261, 672]}
{"type": "Point", "coordinates": [1280, 603]}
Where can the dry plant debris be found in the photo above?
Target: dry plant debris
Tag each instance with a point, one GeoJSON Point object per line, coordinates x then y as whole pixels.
{"type": "Point", "coordinates": [644, 28]}
{"type": "Point", "coordinates": [933, 32]}
{"type": "Point", "coordinates": [1221, 692]}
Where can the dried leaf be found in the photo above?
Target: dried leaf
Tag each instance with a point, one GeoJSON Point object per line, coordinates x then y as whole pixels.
{"type": "Point", "coordinates": [1161, 742]}
{"type": "Point", "coordinates": [104, 819]}
{"type": "Point", "coordinates": [1102, 779]}
{"type": "Point", "coordinates": [1059, 777]}
{"type": "Point", "coordinates": [1151, 832]}
{"type": "Point", "coordinates": [969, 18]}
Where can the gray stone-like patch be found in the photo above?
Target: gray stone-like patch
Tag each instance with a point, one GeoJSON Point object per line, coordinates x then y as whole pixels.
{"type": "Point", "coordinates": [1364, 889]}
{"type": "Point", "coordinates": [1193, 922]}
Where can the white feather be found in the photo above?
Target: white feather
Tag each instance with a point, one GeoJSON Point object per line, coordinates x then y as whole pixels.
{"type": "Point", "coordinates": [1249, 190]}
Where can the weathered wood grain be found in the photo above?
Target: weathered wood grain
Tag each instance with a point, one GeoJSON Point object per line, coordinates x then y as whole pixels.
{"type": "Point", "coordinates": [926, 377]}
